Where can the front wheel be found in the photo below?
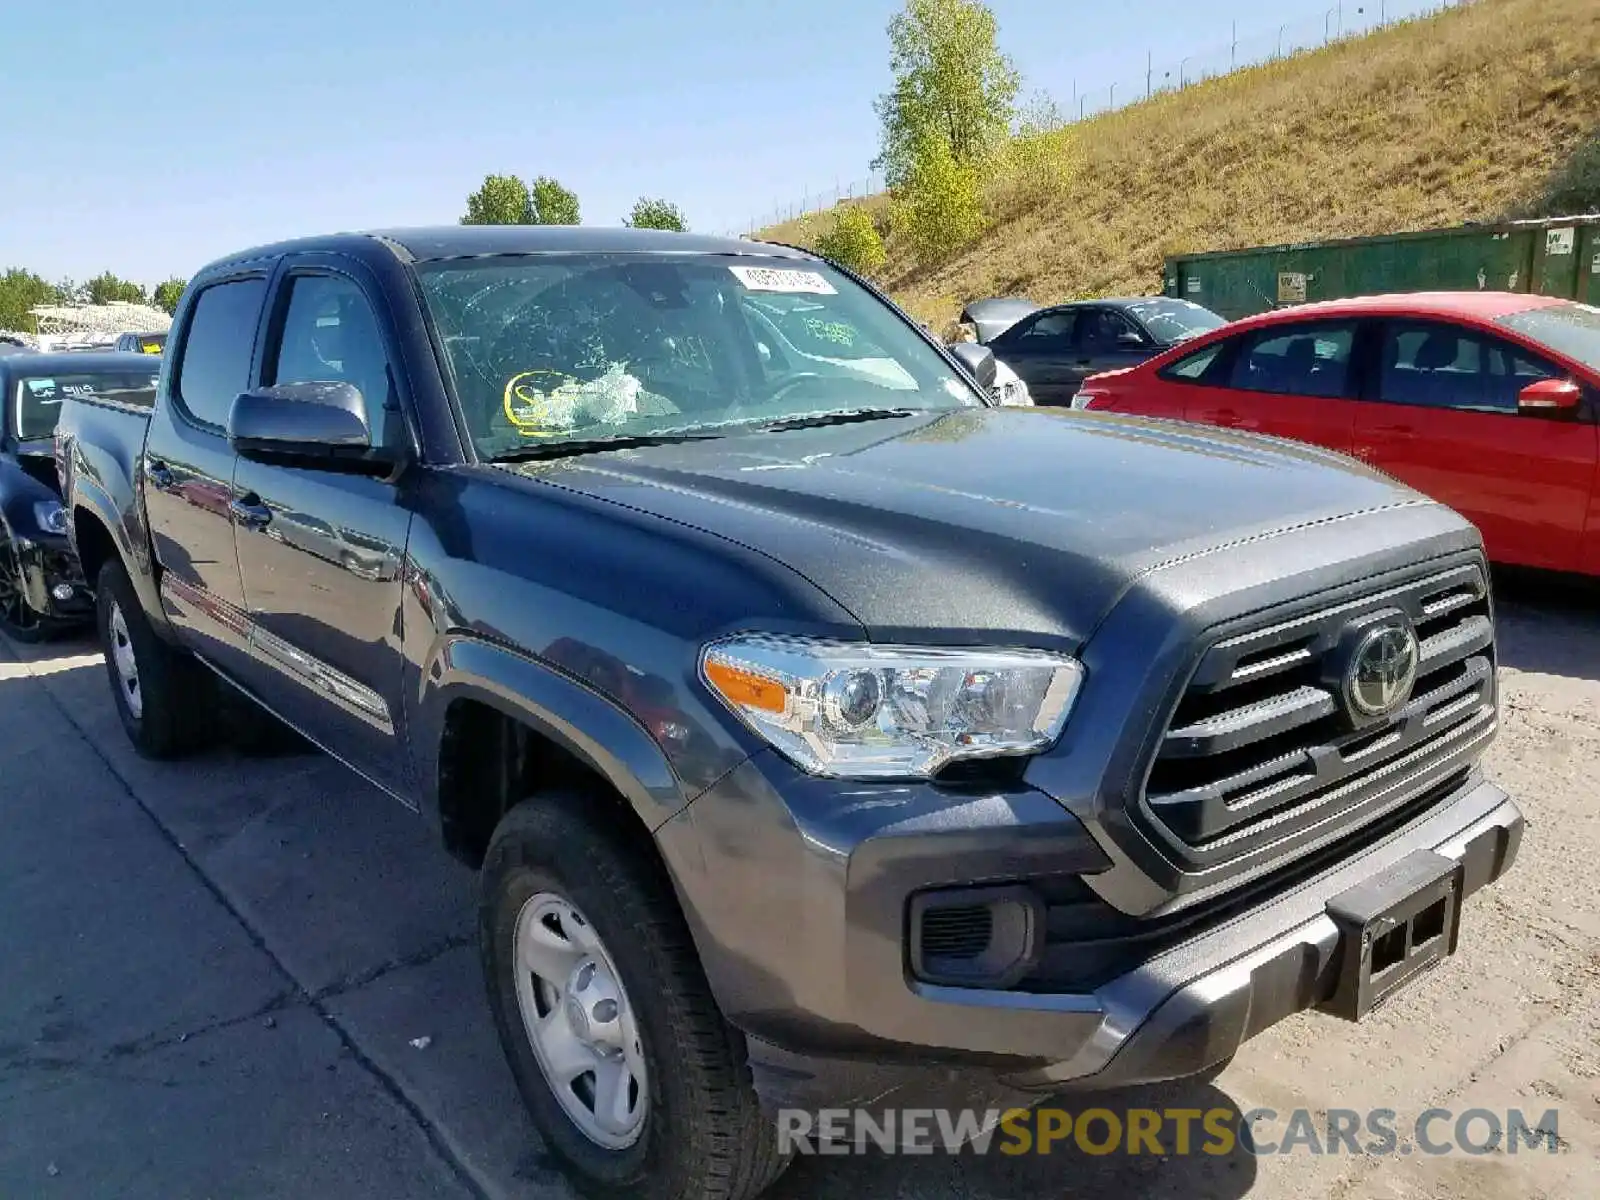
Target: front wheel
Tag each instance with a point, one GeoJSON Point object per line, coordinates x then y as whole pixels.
{"type": "Point", "coordinates": [164, 697]}
{"type": "Point", "coordinates": [624, 1061]}
{"type": "Point", "coordinates": [18, 619]}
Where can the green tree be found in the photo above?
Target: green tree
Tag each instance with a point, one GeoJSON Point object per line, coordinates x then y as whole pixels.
{"type": "Point", "coordinates": [106, 288]}
{"type": "Point", "coordinates": [938, 208]}
{"type": "Point", "coordinates": [656, 214]}
{"type": "Point", "coordinates": [168, 293]}
{"type": "Point", "coordinates": [20, 291]}
{"type": "Point", "coordinates": [552, 204]}
{"type": "Point", "coordinates": [950, 81]}
{"type": "Point", "coordinates": [854, 242]}
{"type": "Point", "coordinates": [502, 200]}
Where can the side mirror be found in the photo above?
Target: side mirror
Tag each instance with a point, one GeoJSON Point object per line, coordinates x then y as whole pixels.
{"type": "Point", "coordinates": [978, 360]}
{"type": "Point", "coordinates": [1548, 394]}
{"type": "Point", "coordinates": [303, 420]}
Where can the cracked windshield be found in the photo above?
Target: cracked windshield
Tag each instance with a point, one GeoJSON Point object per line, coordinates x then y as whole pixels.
{"type": "Point", "coordinates": [560, 351]}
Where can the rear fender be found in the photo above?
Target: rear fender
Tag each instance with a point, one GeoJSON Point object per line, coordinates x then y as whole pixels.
{"type": "Point", "coordinates": [124, 525]}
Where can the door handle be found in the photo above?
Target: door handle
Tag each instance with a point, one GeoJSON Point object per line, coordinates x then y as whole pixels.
{"type": "Point", "coordinates": [160, 476]}
{"type": "Point", "coordinates": [1395, 431]}
{"type": "Point", "coordinates": [249, 511]}
{"type": "Point", "coordinates": [1228, 417]}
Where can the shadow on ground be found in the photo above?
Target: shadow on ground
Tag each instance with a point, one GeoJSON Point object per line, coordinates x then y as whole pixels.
{"type": "Point", "coordinates": [1548, 624]}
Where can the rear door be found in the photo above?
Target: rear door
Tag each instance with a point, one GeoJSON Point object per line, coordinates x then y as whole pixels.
{"type": "Point", "coordinates": [188, 469]}
{"type": "Point", "coordinates": [1288, 379]}
{"type": "Point", "coordinates": [1441, 415]}
{"type": "Point", "coordinates": [1039, 348]}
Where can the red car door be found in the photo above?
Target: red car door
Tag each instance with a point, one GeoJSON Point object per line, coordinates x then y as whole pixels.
{"type": "Point", "coordinates": [1289, 379]}
{"type": "Point", "coordinates": [1442, 416]}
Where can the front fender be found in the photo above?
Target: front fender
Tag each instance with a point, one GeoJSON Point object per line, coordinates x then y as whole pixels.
{"type": "Point", "coordinates": [580, 720]}
{"type": "Point", "coordinates": [19, 492]}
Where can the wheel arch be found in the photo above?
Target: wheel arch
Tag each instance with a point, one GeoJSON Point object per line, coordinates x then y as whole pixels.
{"type": "Point", "coordinates": [493, 726]}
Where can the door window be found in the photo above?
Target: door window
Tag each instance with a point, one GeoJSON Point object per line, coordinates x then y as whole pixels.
{"type": "Point", "coordinates": [214, 362]}
{"type": "Point", "coordinates": [330, 335]}
{"type": "Point", "coordinates": [1051, 332]}
{"type": "Point", "coordinates": [1102, 330]}
{"type": "Point", "coordinates": [1434, 365]}
{"type": "Point", "coordinates": [1303, 361]}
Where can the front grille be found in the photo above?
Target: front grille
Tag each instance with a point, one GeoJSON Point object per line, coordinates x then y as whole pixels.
{"type": "Point", "coordinates": [1262, 745]}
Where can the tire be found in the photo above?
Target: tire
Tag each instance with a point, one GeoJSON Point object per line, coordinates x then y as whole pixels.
{"type": "Point", "coordinates": [168, 704]}
{"type": "Point", "coordinates": [18, 620]}
{"type": "Point", "coordinates": [703, 1136]}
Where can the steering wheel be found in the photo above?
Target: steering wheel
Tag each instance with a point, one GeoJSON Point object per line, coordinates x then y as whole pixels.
{"type": "Point", "coordinates": [793, 383]}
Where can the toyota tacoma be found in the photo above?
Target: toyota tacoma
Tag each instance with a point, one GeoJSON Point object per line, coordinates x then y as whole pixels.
{"type": "Point", "coordinates": [821, 731]}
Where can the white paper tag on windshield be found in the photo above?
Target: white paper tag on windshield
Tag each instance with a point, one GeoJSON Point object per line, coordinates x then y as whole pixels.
{"type": "Point", "coordinates": [774, 279]}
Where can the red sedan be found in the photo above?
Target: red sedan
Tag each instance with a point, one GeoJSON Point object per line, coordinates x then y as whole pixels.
{"type": "Point", "coordinates": [1486, 401]}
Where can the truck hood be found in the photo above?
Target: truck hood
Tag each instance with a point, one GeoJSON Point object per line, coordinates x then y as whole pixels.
{"type": "Point", "coordinates": [983, 523]}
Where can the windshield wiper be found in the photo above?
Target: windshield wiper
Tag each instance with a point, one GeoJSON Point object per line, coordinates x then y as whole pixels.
{"type": "Point", "coordinates": [571, 446]}
{"type": "Point", "coordinates": [842, 416]}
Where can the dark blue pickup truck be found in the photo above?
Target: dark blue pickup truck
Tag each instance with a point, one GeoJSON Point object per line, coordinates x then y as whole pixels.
{"type": "Point", "coordinates": [818, 728]}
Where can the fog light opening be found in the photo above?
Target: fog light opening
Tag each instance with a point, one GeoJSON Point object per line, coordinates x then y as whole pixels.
{"type": "Point", "coordinates": [63, 592]}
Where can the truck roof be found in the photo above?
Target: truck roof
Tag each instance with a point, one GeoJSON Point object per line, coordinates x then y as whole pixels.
{"type": "Point", "coordinates": [430, 243]}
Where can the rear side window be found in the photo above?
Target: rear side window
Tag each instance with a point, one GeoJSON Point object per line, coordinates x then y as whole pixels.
{"type": "Point", "coordinates": [214, 366]}
{"type": "Point", "coordinates": [1304, 361]}
{"type": "Point", "coordinates": [1191, 368]}
{"type": "Point", "coordinates": [1053, 331]}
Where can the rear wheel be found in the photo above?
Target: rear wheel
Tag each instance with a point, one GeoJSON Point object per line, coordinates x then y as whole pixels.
{"type": "Point", "coordinates": [626, 1065]}
{"type": "Point", "coordinates": [166, 699]}
{"type": "Point", "coordinates": [18, 619]}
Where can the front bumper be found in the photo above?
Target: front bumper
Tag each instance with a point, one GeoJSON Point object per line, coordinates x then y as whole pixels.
{"type": "Point", "coordinates": [49, 565]}
{"type": "Point", "coordinates": [799, 889]}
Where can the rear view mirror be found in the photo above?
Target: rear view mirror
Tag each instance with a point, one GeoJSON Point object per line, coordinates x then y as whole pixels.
{"type": "Point", "coordinates": [303, 420]}
{"type": "Point", "coordinates": [1549, 394]}
{"type": "Point", "coordinates": [978, 360]}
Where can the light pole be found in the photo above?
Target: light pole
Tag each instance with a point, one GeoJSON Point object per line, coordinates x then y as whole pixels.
{"type": "Point", "coordinates": [1233, 50]}
{"type": "Point", "coordinates": [1113, 102]}
{"type": "Point", "coordinates": [1281, 29]}
{"type": "Point", "coordinates": [1183, 77]}
{"type": "Point", "coordinates": [1149, 71]}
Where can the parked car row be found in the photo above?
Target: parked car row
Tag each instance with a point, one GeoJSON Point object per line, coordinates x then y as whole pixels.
{"type": "Point", "coordinates": [818, 726]}
{"type": "Point", "coordinates": [1485, 401]}
{"type": "Point", "coordinates": [42, 589]}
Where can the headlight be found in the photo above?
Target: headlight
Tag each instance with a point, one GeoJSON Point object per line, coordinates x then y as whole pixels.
{"type": "Point", "coordinates": [50, 516]}
{"type": "Point", "coordinates": [870, 712]}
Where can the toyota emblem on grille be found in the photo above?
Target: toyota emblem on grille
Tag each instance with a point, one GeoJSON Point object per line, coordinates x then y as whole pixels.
{"type": "Point", "coordinates": [1382, 670]}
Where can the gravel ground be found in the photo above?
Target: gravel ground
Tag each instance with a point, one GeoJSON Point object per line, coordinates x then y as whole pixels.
{"type": "Point", "coordinates": [257, 978]}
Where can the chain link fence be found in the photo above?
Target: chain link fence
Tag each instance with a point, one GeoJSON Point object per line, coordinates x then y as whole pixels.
{"type": "Point", "coordinates": [1257, 45]}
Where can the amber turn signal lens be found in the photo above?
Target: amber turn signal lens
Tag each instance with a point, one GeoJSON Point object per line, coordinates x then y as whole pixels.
{"type": "Point", "coordinates": [746, 688]}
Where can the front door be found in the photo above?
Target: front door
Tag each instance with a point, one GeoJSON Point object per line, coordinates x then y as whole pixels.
{"type": "Point", "coordinates": [1108, 340]}
{"type": "Point", "coordinates": [321, 552]}
{"type": "Point", "coordinates": [188, 471]}
{"type": "Point", "coordinates": [1442, 416]}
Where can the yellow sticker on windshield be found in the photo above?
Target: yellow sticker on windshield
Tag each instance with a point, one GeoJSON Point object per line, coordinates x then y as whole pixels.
{"type": "Point", "coordinates": [537, 413]}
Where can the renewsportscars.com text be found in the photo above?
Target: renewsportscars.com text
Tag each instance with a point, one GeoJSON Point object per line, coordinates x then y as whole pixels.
{"type": "Point", "coordinates": [1168, 1131]}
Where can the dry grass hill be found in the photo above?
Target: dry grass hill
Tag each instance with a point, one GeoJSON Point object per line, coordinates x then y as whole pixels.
{"type": "Point", "coordinates": [1481, 112]}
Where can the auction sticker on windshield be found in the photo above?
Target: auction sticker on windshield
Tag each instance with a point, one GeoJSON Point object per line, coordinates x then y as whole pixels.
{"type": "Point", "coordinates": [775, 279]}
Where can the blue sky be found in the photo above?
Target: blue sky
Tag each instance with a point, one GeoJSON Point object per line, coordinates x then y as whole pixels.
{"type": "Point", "coordinates": [148, 139]}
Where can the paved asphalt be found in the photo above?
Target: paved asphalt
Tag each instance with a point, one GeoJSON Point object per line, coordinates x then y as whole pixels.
{"type": "Point", "coordinates": [215, 971]}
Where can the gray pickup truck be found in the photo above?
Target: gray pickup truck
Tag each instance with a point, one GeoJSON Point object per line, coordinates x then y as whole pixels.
{"type": "Point", "coordinates": [818, 728]}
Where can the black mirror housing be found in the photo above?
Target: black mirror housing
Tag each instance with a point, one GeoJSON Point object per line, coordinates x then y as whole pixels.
{"type": "Point", "coordinates": [301, 420]}
{"type": "Point", "coordinates": [978, 360]}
